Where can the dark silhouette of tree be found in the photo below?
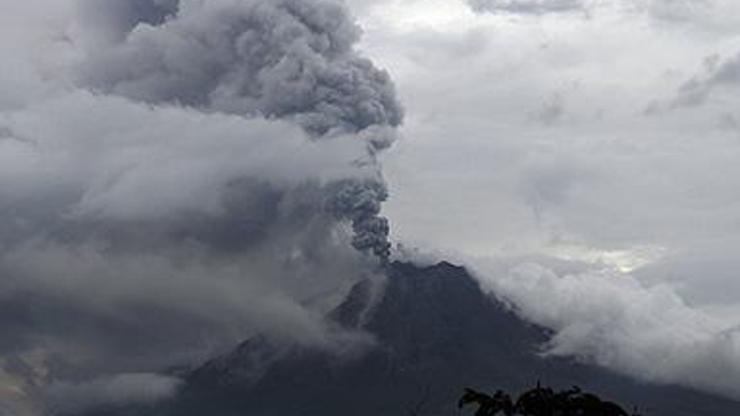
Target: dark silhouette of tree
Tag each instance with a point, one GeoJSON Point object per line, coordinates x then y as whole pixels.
{"type": "Point", "coordinates": [541, 401]}
{"type": "Point", "coordinates": [500, 402]}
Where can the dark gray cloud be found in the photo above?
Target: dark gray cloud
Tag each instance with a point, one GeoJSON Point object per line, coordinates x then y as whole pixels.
{"type": "Point", "coordinates": [132, 212]}
{"type": "Point", "coordinates": [533, 7]}
{"type": "Point", "coordinates": [211, 173]}
{"type": "Point", "coordinates": [619, 192]}
{"type": "Point", "coordinates": [362, 201]}
{"type": "Point", "coordinates": [286, 58]}
{"type": "Point", "coordinates": [718, 76]}
{"type": "Point", "coordinates": [277, 59]}
{"type": "Point", "coordinates": [210, 226]}
{"type": "Point", "coordinates": [648, 332]}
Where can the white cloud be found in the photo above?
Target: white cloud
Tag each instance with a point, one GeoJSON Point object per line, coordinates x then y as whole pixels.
{"type": "Point", "coordinates": [142, 388]}
{"type": "Point", "coordinates": [612, 319]}
{"type": "Point", "coordinates": [83, 175]}
{"type": "Point", "coordinates": [149, 234]}
{"type": "Point", "coordinates": [606, 185]}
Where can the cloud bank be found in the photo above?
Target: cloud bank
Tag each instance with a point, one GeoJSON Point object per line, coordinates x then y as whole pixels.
{"type": "Point", "coordinates": [561, 165]}
{"type": "Point", "coordinates": [614, 320]}
{"type": "Point", "coordinates": [177, 175]}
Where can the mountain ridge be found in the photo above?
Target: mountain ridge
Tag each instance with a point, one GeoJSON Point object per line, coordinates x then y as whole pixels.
{"type": "Point", "coordinates": [435, 333]}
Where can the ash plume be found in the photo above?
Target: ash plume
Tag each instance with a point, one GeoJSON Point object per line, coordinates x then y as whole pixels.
{"type": "Point", "coordinates": [210, 172]}
{"type": "Point", "coordinates": [286, 59]}
{"type": "Point", "coordinates": [360, 202]}
{"type": "Point", "coordinates": [279, 59]}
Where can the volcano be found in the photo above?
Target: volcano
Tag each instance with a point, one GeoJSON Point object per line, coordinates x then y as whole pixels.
{"type": "Point", "coordinates": [435, 332]}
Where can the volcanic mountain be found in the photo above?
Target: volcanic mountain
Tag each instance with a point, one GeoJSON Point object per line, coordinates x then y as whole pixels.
{"type": "Point", "coordinates": [435, 332]}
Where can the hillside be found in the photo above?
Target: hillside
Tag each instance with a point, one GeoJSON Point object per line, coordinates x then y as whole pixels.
{"type": "Point", "coordinates": [436, 333]}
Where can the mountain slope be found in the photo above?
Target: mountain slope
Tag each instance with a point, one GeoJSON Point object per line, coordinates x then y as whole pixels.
{"type": "Point", "coordinates": [436, 333]}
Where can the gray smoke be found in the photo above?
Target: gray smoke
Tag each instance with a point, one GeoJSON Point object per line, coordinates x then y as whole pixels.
{"type": "Point", "coordinates": [360, 201]}
{"type": "Point", "coordinates": [287, 59]}
{"type": "Point", "coordinates": [113, 20]}
{"type": "Point", "coordinates": [718, 74]}
{"type": "Point", "coordinates": [211, 172]}
{"type": "Point", "coordinates": [615, 320]}
{"type": "Point", "coordinates": [278, 59]}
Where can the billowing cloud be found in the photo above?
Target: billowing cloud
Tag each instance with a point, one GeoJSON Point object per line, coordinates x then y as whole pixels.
{"type": "Point", "coordinates": [602, 316]}
{"type": "Point", "coordinates": [188, 172]}
{"type": "Point", "coordinates": [647, 205]}
{"type": "Point", "coordinates": [219, 209]}
{"type": "Point", "coordinates": [109, 22]}
{"type": "Point", "coordinates": [287, 58]}
{"type": "Point", "coordinates": [178, 175]}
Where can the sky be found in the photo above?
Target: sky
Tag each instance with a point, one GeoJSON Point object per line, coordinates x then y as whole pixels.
{"type": "Point", "coordinates": [580, 148]}
{"type": "Point", "coordinates": [198, 171]}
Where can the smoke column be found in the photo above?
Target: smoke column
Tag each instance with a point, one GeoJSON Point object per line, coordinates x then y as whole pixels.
{"type": "Point", "coordinates": [176, 176]}
{"type": "Point", "coordinates": [285, 59]}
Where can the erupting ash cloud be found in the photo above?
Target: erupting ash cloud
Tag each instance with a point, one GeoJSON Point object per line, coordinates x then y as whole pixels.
{"type": "Point", "coordinates": [279, 59]}
{"type": "Point", "coordinates": [287, 59]}
{"type": "Point", "coordinates": [360, 202]}
{"type": "Point", "coordinates": [180, 174]}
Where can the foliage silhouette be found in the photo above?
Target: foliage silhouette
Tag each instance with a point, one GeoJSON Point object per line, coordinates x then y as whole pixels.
{"type": "Point", "coordinates": [541, 401]}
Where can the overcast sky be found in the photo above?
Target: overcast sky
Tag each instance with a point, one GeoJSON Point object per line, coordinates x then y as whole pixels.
{"type": "Point", "coordinates": [582, 148]}
{"type": "Point", "coordinates": [586, 130]}
{"type": "Point", "coordinates": [603, 133]}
